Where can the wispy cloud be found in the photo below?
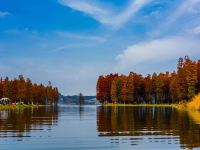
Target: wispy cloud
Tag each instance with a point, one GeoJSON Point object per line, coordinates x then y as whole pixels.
{"type": "Point", "coordinates": [104, 14]}
{"type": "Point", "coordinates": [71, 47]}
{"type": "Point", "coordinates": [80, 36]}
{"type": "Point", "coordinates": [3, 14]}
{"type": "Point", "coordinates": [157, 50]}
{"type": "Point", "coordinates": [181, 18]}
{"type": "Point", "coordinates": [78, 41]}
{"type": "Point", "coordinates": [188, 6]}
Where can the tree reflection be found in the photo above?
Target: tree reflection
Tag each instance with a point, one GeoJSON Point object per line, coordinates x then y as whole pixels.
{"type": "Point", "coordinates": [149, 121]}
{"type": "Point", "coordinates": [17, 123]}
{"type": "Point", "coordinates": [81, 112]}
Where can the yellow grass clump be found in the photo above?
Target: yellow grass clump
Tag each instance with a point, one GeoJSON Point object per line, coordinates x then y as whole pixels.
{"type": "Point", "coordinates": [194, 104]}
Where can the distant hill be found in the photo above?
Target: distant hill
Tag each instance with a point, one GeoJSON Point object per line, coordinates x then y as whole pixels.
{"type": "Point", "coordinates": [89, 100]}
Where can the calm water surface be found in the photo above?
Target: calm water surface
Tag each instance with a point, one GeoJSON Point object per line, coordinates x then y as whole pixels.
{"type": "Point", "coordinates": [96, 127]}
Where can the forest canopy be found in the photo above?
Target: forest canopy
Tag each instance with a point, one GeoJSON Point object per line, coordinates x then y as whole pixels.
{"type": "Point", "coordinates": [175, 87]}
{"type": "Point", "coordinates": [24, 91]}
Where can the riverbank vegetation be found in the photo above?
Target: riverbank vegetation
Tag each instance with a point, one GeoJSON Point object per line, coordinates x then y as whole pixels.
{"type": "Point", "coordinates": [22, 91]}
{"type": "Point", "coordinates": [172, 88]}
{"type": "Point", "coordinates": [140, 105]}
{"type": "Point", "coordinates": [193, 104]}
{"type": "Point", "coordinates": [21, 106]}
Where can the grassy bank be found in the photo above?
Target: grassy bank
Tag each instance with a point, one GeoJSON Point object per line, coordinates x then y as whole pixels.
{"type": "Point", "coordinates": [141, 105]}
{"type": "Point", "coordinates": [194, 104]}
{"type": "Point", "coordinates": [19, 106]}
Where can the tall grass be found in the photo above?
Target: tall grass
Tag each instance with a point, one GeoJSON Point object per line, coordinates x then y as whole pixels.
{"type": "Point", "coordinates": [194, 104]}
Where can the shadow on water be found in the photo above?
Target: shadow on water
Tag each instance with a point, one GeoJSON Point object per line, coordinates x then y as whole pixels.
{"type": "Point", "coordinates": [154, 124]}
{"type": "Point", "coordinates": [21, 122]}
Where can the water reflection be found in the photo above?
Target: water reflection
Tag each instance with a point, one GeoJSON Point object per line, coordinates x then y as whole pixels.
{"type": "Point", "coordinates": [20, 122]}
{"type": "Point", "coordinates": [81, 112]}
{"type": "Point", "coordinates": [159, 125]}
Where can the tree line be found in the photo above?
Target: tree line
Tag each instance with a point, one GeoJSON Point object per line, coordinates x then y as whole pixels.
{"type": "Point", "coordinates": [175, 87]}
{"type": "Point", "coordinates": [24, 91]}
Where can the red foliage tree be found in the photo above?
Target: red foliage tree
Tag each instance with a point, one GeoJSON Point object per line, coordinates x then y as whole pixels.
{"type": "Point", "coordinates": [162, 88]}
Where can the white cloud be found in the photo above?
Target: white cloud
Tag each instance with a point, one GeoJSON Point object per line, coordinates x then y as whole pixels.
{"type": "Point", "coordinates": [104, 14]}
{"type": "Point", "coordinates": [179, 19]}
{"type": "Point", "coordinates": [187, 7]}
{"type": "Point", "coordinates": [4, 14]}
{"type": "Point", "coordinates": [196, 30]}
{"type": "Point", "coordinates": [39, 60]}
{"type": "Point", "coordinates": [157, 50]}
{"type": "Point", "coordinates": [67, 78]}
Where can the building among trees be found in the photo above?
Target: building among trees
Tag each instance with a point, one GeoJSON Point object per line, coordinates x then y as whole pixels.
{"type": "Point", "coordinates": [5, 101]}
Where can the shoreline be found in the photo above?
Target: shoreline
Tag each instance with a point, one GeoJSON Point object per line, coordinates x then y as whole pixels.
{"type": "Point", "coordinates": [21, 106]}
{"type": "Point", "coordinates": [181, 106]}
{"type": "Point", "coordinates": [193, 104]}
{"type": "Point", "coordinates": [140, 105]}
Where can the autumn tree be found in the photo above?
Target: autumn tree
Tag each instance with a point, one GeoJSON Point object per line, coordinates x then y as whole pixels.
{"type": "Point", "coordinates": [148, 89]}
{"type": "Point", "coordinates": [130, 89]}
{"type": "Point", "coordinates": [21, 88]}
{"type": "Point", "coordinates": [160, 87]}
{"type": "Point", "coordinates": [198, 76]}
{"type": "Point", "coordinates": [113, 92]}
{"type": "Point", "coordinates": [28, 92]}
{"type": "Point", "coordinates": [173, 88]}
{"type": "Point", "coordinates": [103, 89]}
{"type": "Point", "coordinates": [182, 88]}
{"type": "Point", "coordinates": [124, 95]}
{"type": "Point", "coordinates": [156, 88]}
{"type": "Point", "coordinates": [108, 84]}
{"type": "Point", "coordinates": [14, 90]}
{"type": "Point", "coordinates": [55, 95]}
{"type": "Point", "coordinates": [1, 88]}
{"type": "Point", "coordinates": [191, 76]}
{"type": "Point", "coordinates": [42, 95]}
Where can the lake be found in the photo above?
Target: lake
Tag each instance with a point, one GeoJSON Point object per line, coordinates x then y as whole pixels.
{"type": "Point", "coordinates": [97, 127]}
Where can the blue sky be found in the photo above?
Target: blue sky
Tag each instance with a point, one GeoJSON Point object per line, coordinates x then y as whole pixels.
{"type": "Point", "coordinates": [72, 42]}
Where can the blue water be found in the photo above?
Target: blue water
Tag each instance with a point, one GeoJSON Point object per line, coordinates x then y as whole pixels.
{"type": "Point", "coordinates": [96, 127]}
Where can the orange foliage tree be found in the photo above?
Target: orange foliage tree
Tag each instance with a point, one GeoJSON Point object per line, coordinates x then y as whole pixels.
{"type": "Point", "coordinates": [156, 88]}
{"type": "Point", "coordinates": [24, 91]}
